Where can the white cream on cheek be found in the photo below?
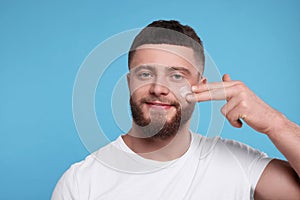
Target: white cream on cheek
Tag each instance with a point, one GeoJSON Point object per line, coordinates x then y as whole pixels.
{"type": "Point", "coordinates": [184, 91]}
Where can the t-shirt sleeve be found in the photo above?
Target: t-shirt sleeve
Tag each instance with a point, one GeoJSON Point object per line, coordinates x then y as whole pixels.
{"type": "Point", "coordinates": [66, 188]}
{"type": "Point", "coordinates": [251, 160]}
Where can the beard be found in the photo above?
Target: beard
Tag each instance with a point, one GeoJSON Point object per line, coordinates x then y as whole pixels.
{"type": "Point", "coordinates": [157, 126]}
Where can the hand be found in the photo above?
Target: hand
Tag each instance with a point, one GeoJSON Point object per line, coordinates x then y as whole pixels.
{"type": "Point", "coordinates": [242, 103]}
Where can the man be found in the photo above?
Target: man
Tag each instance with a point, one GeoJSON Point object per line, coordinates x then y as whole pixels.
{"type": "Point", "coordinates": [159, 158]}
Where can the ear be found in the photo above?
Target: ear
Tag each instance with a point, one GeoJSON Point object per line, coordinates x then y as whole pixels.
{"type": "Point", "coordinates": [203, 80]}
{"type": "Point", "coordinates": [128, 80]}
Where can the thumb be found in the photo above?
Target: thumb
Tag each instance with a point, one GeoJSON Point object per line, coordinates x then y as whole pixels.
{"type": "Point", "coordinates": [226, 78]}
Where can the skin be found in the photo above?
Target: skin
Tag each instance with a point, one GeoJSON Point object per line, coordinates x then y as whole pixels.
{"type": "Point", "coordinates": [172, 147]}
{"type": "Point", "coordinates": [280, 179]}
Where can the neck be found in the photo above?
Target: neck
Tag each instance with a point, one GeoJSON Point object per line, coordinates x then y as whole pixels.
{"type": "Point", "coordinates": [160, 149]}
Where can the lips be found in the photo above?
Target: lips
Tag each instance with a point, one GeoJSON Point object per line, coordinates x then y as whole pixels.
{"type": "Point", "coordinates": [159, 105]}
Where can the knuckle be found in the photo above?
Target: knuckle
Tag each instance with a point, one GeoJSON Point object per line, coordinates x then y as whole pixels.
{"type": "Point", "coordinates": [243, 95]}
{"type": "Point", "coordinates": [229, 117]}
{"type": "Point", "coordinates": [224, 110]}
{"type": "Point", "coordinates": [238, 82]}
{"type": "Point", "coordinates": [240, 86]}
{"type": "Point", "coordinates": [243, 105]}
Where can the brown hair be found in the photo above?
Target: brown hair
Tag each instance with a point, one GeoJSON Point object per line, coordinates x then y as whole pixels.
{"type": "Point", "coordinates": [169, 32]}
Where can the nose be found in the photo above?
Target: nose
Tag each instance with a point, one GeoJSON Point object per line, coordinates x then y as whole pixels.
{"type": "Point", "coordinates": [159, 89]}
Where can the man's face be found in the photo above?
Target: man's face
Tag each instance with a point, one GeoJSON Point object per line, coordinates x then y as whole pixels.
{"type": "Point", "coordinates": [158, 74]}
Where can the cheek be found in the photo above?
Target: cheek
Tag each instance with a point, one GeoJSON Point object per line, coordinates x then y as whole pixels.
{"type": "Point", "coordinates": [137, 88]}
{"type": "Point", "coordinates": [180, 91]}
{"type": "Point", "coordinates": [135, 98]}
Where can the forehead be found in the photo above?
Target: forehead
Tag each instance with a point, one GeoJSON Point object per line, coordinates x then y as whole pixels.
{"type": "Point", "coordinates": [164, 55]}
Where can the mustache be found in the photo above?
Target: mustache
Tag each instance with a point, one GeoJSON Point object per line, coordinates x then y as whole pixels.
{"type": "Point", "coordinates": [160, 99]}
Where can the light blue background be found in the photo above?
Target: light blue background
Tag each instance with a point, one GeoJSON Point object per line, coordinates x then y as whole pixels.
{"type": "Point", "coordinates": [43, 44]}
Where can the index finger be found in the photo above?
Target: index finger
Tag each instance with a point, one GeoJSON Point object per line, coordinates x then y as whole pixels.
{"type": "Point", "coordinates": [212, 86]}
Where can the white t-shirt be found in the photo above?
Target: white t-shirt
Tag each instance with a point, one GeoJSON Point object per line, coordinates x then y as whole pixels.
{"type": "Point", "coordinates": [211, 169]}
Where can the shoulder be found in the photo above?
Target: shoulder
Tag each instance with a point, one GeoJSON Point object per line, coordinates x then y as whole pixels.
{"type": "Point", "coordinates": [233, 154]}
{"type": "Point", "coordinates": [94, 161]}
{"type": "Point", "coordinates": [242, 151]}
{"type": "Point", "coordinates": [226, 146]}
{"type": "Point", "coordinates": [79, 174]}
{"type": "Point", "coordinates": [226, 150]}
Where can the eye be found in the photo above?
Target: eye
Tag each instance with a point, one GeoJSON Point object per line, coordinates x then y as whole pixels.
{"type": "Point", "coordinates": [145, 75]}
{"type": "Point", "coordinates": [177, 77]}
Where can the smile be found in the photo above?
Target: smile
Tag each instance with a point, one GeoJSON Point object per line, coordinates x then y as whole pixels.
{"type": "Point", "coordinates": [159, 105]}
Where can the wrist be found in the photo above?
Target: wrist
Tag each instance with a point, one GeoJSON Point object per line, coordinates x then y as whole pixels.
{"type": "Point", "coordinates": [282, 126]}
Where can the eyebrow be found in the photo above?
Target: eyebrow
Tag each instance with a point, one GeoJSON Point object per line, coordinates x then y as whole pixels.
{"type": "Point", "coordinates": [141, 67]}
{"type": "Point", "coordinates": [168, 68]}
{"type": "Point", "coordinates": [176, 68]}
